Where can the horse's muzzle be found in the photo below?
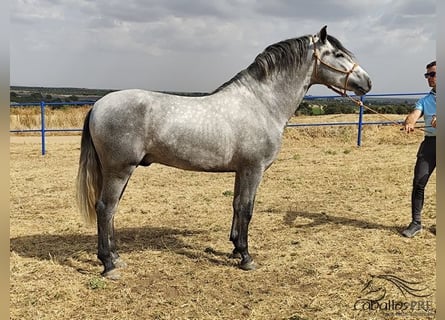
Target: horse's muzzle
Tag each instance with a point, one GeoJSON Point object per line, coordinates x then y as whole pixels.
{"type": "Point", "coordinates": [360, 89]}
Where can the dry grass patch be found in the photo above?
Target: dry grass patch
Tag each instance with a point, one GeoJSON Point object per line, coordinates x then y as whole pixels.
{"type": "Point", "coordinates": [23, 118]}
{"type": "Point", "coordinates": [327, 218]}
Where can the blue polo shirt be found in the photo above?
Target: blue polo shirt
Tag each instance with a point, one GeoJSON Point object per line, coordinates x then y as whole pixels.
{"type": "Point", "coordinates": [427, 105]}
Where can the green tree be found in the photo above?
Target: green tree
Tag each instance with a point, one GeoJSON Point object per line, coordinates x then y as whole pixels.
{"type": "Point", "coordinates": [332, 109]}
{"type": "Point", "coordinates": [36, 97]}
{"type": "Point", "coordinates": [72, 98]}
{"type": "Point", "coordinates": [304, 108]}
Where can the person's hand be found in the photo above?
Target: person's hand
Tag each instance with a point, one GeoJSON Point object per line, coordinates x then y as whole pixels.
{"type": "Point", "coordinates": [409, 127]}
{"type": "Point", "coordinates": [433, 121]}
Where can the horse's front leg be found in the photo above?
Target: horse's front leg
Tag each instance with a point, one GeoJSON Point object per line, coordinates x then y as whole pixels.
{"type": "Point", "coordinates": [235, 220]}
{"type": "Point", "coordinates": [246, 185]}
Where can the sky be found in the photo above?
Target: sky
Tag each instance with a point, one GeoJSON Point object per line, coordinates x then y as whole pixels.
{"type": "Point", "coordinates": [197, 45]}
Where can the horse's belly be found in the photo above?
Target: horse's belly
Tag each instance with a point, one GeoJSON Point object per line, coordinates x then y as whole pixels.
{"type": "Point", "coordinates": [196, 159]}
{"type": "Point", "coordinates": [194, 151]}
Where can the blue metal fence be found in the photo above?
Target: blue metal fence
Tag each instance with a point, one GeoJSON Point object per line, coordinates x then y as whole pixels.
{"type": "Point", "coordinates": [360, 123]}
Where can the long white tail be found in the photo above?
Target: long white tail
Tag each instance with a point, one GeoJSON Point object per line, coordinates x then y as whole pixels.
{"type": "Point", "coordinates": [89, 176]}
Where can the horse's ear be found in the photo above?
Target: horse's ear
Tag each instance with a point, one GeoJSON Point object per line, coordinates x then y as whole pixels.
{"type": "Point", "coordinates": [323, 34]}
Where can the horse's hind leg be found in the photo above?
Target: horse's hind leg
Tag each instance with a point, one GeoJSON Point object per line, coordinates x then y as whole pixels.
{"type": "Point", "coordinates": [117, 260]}
{"type": "Point", "coordinates": [113, 187]}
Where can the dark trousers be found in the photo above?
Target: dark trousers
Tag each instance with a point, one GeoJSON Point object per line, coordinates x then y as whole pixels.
{"type": "Point", "coordinates": [425, 165]}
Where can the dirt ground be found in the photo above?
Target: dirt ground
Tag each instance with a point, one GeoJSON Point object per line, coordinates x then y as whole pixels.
{"type": "Point", "coordinates": [325, 233]}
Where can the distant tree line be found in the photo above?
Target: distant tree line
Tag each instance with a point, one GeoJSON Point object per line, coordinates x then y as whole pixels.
{"type": "Point", "coordinates": [20, 94]}
{"type": "Point", "coordinates": [339, 107]}
{"type": "Point", "coordinates": [36, 97]}
{"type": "Point", "coordinates": [307, 107]}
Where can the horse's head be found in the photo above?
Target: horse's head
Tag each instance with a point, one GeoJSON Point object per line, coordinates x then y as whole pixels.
{"type": "Point", "coordinates": [335, 67]}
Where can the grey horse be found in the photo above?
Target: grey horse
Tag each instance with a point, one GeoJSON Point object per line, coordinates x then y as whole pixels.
{"type": "Point", "coordinates": [236, 128]}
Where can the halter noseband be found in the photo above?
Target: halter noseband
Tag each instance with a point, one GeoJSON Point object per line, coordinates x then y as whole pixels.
{"type": "Point", "coordinates": [348, 73]}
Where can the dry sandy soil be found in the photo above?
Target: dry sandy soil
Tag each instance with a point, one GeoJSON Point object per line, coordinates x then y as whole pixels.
{"type": "Point", "coordinates": [325, 232]}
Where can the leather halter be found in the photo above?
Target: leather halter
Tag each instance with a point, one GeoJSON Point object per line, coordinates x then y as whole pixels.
{"type": "Point", "coordinates": [340, 91]}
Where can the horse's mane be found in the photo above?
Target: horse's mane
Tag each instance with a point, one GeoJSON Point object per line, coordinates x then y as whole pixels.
{"type": "Point", "coordinates": [279, 56]}
{"type": "Point", "coordinates": [284, 55]}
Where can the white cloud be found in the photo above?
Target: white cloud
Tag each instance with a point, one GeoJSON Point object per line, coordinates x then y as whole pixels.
{"type": "Point", "coordinates": [197, 45]}
{"type": "Point", "coordinates": [35, 11]}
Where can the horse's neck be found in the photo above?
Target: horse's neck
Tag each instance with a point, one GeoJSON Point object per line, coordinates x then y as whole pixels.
{"type": "Point", "coordinates": [281, 95]}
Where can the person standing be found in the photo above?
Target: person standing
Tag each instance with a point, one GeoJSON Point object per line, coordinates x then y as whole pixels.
{"type": "Point", "coordinates": [426, 155]}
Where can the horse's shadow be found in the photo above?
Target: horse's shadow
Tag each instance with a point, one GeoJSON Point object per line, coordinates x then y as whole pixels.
{"type": "Point", "coordinates": [64, 248]}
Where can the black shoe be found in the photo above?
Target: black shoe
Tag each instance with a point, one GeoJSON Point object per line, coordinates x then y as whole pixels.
{"type": "Point", "coordinates": [413, 229]}
{"type": "Point", "coordinates": [433, 229]}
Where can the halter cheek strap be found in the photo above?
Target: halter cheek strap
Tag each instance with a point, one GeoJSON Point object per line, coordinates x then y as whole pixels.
{"type": "Point", "coordinates": [347, 72]}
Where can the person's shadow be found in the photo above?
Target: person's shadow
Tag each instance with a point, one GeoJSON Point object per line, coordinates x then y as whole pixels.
{"type": "Point", "coordinates": [322, 218]}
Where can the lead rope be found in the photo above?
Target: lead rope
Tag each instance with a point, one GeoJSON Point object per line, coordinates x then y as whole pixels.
{"type": "Point", "coordinates": [360, 103]}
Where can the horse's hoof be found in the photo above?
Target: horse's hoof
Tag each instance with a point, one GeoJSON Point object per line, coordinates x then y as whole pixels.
{"type": "Point", "coordinates": [119, 263]}
{"type": "Point", "coordinates": [112, 274]}
{"type": "Point", "coordinates": [248, 266]}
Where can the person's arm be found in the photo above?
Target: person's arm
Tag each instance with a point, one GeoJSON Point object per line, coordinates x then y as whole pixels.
{"type": "Point", "coordinates": [411, 119]}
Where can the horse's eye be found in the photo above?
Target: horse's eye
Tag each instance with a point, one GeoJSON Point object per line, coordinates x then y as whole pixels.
{"type": "Point", "coordinates": [339, 55]}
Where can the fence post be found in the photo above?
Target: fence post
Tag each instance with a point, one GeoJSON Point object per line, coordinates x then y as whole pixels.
{"type": "Point", "coordinates": [42, 130]}
{"type": "Point", "coordinates": [360, 123]}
